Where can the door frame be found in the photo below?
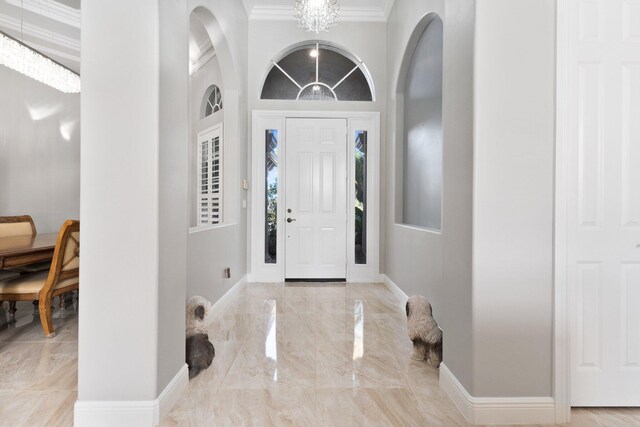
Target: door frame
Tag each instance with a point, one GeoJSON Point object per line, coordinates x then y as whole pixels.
{"type": "Point", "coordinates": [561, 342]}
{"type": "Point", "coordinates": [263, 120]}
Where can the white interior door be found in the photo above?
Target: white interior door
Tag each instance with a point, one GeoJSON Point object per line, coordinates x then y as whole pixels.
{"type": "Point", "coordinates": [604, 202]}
{"type": "Point", "coordinates": [316, 199]}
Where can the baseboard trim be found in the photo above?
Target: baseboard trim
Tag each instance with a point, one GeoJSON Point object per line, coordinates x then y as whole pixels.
{"type": "Point", "coordinates": [222, 303]}
{"type": "Point", "coordinates": [390, 284]}
{"type": "Point", "coordinates": [496, 410]}
{"type": "Point", "coordinates": [131, 413]}
{"type": "Point", "coordinates": [172, 393]}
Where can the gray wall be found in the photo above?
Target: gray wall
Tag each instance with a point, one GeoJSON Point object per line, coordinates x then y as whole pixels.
{"type": "Point", "coordinates": [39, 151]}
{"type": "Point", "coordinates": [173, 219]}
{"type": "Point", "coordinates": [514, 190]}
{"type": "Point", "coordinates": [211, 251]}
{"type": "Point", "coordinates": [437, 265]}
{"type": "Point", "coordinates": [422, 154]}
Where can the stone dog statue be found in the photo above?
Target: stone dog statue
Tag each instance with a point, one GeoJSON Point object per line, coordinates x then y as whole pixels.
{"type": "Point", "coordinates": [200, 351]}
{"type": "Point", "coordinates": [423, 331]}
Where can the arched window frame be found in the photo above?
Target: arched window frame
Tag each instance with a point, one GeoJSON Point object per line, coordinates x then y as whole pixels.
{"type": "Point", "coordinates": [213, 92]}
{"type": "Point", "coordinates": [358, 64]}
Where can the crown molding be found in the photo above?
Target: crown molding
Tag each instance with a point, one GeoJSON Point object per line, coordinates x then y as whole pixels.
{"type": "Point", "coordinates": [388, 8]}
{"type": "Point", "coordinates": [13, 24]}
{"type": "Point", "coordinates": [346, 14]}
{"type": "Point", "coordinates": [206, 56]}
{"type": "Point", "coordinates": [50, 9]}
{"type": "Point", "coordinates": [247, 7]}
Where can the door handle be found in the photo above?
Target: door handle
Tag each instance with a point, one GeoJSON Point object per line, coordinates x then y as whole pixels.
{"type": "Point", "coordinates": [290, 220]}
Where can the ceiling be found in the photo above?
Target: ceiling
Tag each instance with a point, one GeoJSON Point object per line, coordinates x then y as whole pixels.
{"type": "Point", "coordinates": [350, 10]}
{"type": "Point", "coordinates": [53, 26]}
{"type": "Point", "coordinates": [50, 26]}
{"type": "Point", "coordinates": [200, 45]}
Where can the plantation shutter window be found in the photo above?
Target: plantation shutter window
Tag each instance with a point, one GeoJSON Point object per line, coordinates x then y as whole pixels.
{"type": "Point", "coordinates": [210, 177]}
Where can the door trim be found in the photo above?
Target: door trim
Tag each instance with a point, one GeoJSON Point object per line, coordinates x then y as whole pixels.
{"type": "Point", "coordinates": [561, 342]}
{"type": "Point", "coordinates": [263, 120]}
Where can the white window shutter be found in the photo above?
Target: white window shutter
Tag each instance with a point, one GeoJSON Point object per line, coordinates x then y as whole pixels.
{"type": "Point", "coordinates": [210, 183]}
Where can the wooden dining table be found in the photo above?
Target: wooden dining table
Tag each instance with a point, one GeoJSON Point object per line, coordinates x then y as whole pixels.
{"type": "Point", "coordinates": [16, 251]}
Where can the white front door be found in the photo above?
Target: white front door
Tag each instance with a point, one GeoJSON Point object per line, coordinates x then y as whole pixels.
{"type": "Point", "coordinates": [316, 199]}
{"type": "Point", "coordinates": [604, 202]}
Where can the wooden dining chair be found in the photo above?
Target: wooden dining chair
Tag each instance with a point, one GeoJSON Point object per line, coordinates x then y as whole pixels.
{"type": "Point", "coordinates": [21, 225]}
{"type": "Point", "coordinates": [17, 226]}
{"type": "Point", "coordinates": [62, 277]}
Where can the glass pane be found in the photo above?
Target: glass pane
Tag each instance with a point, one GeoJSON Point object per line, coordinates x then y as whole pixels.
{"type": "Point", "coordinates": [317, 93]}
{"type": "Point", "coordinates": [354, 88]}
{"type": "Point", "coordinates": [278, 86]}
{"type": "Point", "coordinates": [361, 197]}
{"type": "Point", "coordinates": [333, 66]}
{"type": "Point", "coordinates": [271, 196]}
{"type": "Point", "coordinates": [300, 65]}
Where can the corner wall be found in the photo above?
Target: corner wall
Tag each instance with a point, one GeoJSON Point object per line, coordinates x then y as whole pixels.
{"type": "Point", "coordinates": [437, 265]}
{"type": "Point", "coordinates": [513, 198]}
{"type": "Point", "coordinates": [133, 212]}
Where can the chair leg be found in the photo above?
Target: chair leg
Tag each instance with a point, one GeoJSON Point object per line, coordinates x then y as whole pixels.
{"type": "Point", "coordinates": [12, 309]}
{"type": "Point", "coordinates": [45, 309]}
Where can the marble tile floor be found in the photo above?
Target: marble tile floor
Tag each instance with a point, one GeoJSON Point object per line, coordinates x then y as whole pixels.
{"type": "Point", "coordinates": [300, 355]}
{"type": "Point", "coordinates": [323, 355]}
{"type": "Point", "coordinates": [38, 375]}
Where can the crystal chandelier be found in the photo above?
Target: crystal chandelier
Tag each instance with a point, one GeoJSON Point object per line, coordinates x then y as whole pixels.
{"type": "Point", "coordinates": [23, 59]}
{"type": "Point", "coordinates": [316, 15]}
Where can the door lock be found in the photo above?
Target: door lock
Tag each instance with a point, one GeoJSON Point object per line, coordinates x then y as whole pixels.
{"type": "Point", "coordinates": [290, 220]}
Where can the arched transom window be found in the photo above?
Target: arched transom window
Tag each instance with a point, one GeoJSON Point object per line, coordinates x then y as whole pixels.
{"type": "Point", "coordinates": [318, 72]}
{"type": "Point", "coordinates": [212, 101]}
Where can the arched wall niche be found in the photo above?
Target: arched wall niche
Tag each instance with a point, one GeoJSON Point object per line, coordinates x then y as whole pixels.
{"type": "Point", "coordinates": [323, 44]}
{"type": "Point", "coordinates": [224, 54]}
{"type": "Point", "coordinates": [419, 130]}
{"type": "Point", "coordinates": [412, 44]}
{"type": "Point", "coordinates": [229, 83]}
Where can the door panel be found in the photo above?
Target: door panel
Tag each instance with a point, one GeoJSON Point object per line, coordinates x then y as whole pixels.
{"type": "Point", "coordinates": [604, 203]}
{"type": "Point", "coordinates": [316, 196]}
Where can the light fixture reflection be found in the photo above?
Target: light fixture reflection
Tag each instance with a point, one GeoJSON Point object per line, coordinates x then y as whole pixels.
{"type": "Point", "coordinates": [358, 329]}
{"type": "Point", "coordinates": [28, 61]}
{"type": "Point", "coordinates": [42, 111]}
{"type": "Point", "coordinates": [313, 53]}
{"type": "Point", "coordinates": [67, 127]}
{"type": "Point", "coordinates": [270, 343]}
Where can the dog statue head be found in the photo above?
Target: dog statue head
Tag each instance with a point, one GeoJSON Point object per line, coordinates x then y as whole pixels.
{"type": "Point", "coordinates": [418, 304]}
{"type": "Point", "coordinates": [197, 311]}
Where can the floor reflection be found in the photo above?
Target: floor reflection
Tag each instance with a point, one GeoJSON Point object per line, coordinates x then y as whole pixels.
{"type": "Point", "coordinates": [270, 343]}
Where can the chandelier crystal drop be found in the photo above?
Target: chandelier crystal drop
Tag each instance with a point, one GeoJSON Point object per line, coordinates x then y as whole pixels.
{"type": "Point", "coordinates": [316, 15]}
{"type": "Point", "coordinates": [23, 59]}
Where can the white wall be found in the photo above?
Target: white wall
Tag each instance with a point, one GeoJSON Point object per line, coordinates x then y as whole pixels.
{"type": "Point", "coordinates": [437, 265]}
{"type": "Point", "coordinates": [513, 197]}
{"type": "Point", "coordinates": [39, 151]}
{"type": "Point", "coordinates": [133, 201]}
{"type": "Point", "coordinates": [211, 251]}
